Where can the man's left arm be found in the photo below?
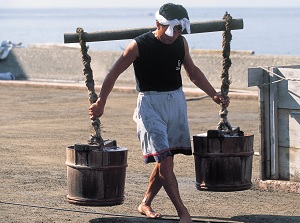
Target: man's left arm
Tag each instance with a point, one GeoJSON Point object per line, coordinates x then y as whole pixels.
{"type": "Point", "coordinates": [199, 79]}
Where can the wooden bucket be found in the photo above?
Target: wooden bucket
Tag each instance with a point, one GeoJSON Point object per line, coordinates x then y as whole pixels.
{"type": "Point", "coordinates": [96, 176]}
{"type": "Point", "coordinates": [223, 162]}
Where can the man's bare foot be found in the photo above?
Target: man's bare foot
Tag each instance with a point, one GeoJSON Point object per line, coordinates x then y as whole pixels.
{"type": "Point", "coordinates": [185, 218]}
{"type": "Point", "coordinates": [148, 211]}
{"type": "Point", "coordinates": [182, 221]}
{"type": "Point", "coordinates": [186, 221]}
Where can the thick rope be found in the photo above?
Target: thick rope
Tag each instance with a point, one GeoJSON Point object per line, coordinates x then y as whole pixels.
{"type": "Point", "coordinates": [227, 37]}
{"type": "Point", "coordinates": [280, 78]}
{"type": "Point", "coordinates": [89, 82]}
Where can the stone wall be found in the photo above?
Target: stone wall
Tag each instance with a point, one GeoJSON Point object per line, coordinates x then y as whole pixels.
{"type": "Point", "coordinates": [59, 63]}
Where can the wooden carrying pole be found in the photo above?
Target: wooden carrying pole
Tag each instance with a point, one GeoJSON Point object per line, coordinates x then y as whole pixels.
{"type": "Point", "coordinates": [197, 27]}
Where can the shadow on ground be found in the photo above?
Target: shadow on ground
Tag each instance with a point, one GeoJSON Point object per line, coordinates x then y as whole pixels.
{"type": "Point", "coordinates": [13, 65]}
{"type": "Point", "coordinates": [266, 218]}
{"type": "Point", "coordinates": [173, 219]}
{"type": "Point", "coordinates": [138, 220]}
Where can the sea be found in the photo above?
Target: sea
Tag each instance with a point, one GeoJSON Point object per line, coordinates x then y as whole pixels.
{"type": "Point", "coordinates": [270, 31]}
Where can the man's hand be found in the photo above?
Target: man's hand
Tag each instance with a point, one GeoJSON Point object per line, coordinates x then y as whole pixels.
{"type": "Point", "coordinates": [96, 110]}
{"type": "Point", "coordinates": [220, 99]}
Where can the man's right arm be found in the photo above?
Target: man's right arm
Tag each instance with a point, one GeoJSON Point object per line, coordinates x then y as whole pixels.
{"type": "Point", "coordinates": [129, 55]}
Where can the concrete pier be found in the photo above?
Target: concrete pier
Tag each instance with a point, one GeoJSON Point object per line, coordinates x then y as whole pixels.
{"type": "Point", "coordinates": [63, 63]}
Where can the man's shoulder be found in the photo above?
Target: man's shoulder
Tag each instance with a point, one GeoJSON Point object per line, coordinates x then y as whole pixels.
{"type": "Point", "coordinates": [146, 35]}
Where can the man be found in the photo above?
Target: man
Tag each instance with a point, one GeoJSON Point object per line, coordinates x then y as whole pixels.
{"type": "Point", "coordinates": [162, 123]}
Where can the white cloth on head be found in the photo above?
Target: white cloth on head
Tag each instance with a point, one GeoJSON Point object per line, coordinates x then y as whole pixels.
{"type": "Point", "coordinates": [185, 23]}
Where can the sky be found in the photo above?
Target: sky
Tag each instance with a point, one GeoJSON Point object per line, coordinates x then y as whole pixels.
{"type": "Point", "coordinates": [143, 3]}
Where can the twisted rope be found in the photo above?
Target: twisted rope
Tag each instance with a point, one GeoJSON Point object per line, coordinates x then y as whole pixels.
{"type": "Point", "coordinates": [227, 37]}
{"type": "Point", "coordinates": [280, 77]}
{"type": "Point", "coordinates": [89, 82]}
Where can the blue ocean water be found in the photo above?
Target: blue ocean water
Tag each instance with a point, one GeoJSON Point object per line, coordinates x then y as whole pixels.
{"type": "Point", "coordinates": [266, 31]}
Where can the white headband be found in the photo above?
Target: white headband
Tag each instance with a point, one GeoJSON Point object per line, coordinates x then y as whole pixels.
{"type": "Point", "coordinates": [185, 23]}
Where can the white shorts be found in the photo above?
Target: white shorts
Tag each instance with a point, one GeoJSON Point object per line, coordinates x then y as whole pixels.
{"type": "Point", "coordinates": [162, 124]}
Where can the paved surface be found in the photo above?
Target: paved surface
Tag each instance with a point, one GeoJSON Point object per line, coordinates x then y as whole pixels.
{"type": "Point", "coordinates": [38, 122]}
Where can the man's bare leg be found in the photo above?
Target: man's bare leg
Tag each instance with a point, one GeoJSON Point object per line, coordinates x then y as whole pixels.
{"type": "Point", "coordinates": [154, 186]}
{"type": "Point", "coordinates": [169, 182]}
{"type": "Point", "coordinates": [163, 175]}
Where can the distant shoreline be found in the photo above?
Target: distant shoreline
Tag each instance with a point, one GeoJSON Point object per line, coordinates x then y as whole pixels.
{"type": "Point", "coordinates": [192, 50]}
